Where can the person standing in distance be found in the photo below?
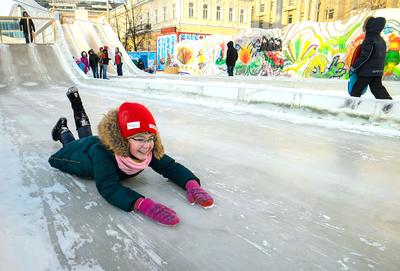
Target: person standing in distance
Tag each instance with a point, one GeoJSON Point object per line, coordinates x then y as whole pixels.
{"type": "Point", "coordinates": [118, 61]}
{"type": "Point", "coordinates": [105, 60]}
{"type": "Point", "coordinates": [27, 26]}
{"type": "Point", "coordinates": [231, 57]}
{"type": "Point", "coordinates": [369, 65]}
{"type": "Point", "coordinates": [94, 63]}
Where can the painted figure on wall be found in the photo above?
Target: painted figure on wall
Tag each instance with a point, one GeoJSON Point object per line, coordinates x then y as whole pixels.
{"type": "Point", "coordinates": [201, 59]}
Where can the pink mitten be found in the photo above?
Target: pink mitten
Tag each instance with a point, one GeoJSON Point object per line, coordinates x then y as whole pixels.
{"type": "Point", "coordinates": [194, 193]}
{"type": "Point", "coordinates": [156, 211]}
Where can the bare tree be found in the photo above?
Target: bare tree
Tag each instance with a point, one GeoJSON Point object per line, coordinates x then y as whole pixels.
{"type": "Point", "coordinates": [373, 4]}
{"type": "Point", "coordinates": [117, 26]}
{"type": "Point", "coordinates": [136, 30]}
{"type": "Point", "coordinates": [132, 32]}
{"type": "Point", "coordinates": [118, 22]}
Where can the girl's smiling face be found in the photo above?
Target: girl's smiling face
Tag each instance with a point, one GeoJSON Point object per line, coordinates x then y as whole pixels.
{"type": "Point", "coordinates": [140, 145]}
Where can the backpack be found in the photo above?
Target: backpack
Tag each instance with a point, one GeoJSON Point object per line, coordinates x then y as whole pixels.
{"type": "Point", "coordinates": [353, 75]}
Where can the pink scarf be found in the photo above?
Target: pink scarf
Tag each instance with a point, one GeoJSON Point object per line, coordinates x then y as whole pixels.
{"type": "Point", "coordinates": [130, 167]}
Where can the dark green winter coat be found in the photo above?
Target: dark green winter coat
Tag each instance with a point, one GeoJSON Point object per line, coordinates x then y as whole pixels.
{"type": "Point", "coordinates": [93, 157]}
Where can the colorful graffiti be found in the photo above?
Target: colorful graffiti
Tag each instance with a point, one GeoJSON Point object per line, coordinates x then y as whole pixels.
{"type": "Point", "coordinates": [185, 55]}
{"type": "Point", "coordinates": [307, 49]}
{"type": "Point", "coordinates": [165, 47]}
{"type": "Point", "coordinates": [148, 58]}
{"type": "Point", "coordinates": [393, 56]}
{"type": "Point", "coordinates": [191, 36]}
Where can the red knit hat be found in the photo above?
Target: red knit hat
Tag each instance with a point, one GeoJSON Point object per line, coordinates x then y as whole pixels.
{"type": "Point", "coordinates": [134, 118]}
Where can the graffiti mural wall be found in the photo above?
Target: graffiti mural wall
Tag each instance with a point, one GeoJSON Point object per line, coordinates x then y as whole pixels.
{"type": "Point", "coordinates": [165, 47]}
{"type": "Point", "coordinates": [307, 49]}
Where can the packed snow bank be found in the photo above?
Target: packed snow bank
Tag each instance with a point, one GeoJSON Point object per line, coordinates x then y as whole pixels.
{"type": "Point", "coordinates": [320, 103]}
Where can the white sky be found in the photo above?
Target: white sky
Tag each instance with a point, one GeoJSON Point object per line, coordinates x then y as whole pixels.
{"type": "Point", "coordinates": [6, 7]}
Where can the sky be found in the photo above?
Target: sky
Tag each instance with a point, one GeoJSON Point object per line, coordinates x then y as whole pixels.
{"type": "Point", "coordinates": [6, 6]}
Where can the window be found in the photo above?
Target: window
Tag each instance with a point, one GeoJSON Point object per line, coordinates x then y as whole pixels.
{"type": "Point", "coordinates": [164, 14]}
{"type": "Point", "coordinates": [173, 11]}
{"type": "Point", "coordinates": [262, 7]}
{"type": "Point", "coordinates": [230, 14]}
{"type": "Point", "coordinates": [218, 14]}
{"type": "Point", "coordinates": [156, 16]}
{"type": "Point", "coordinates": [205, 11]}
{"type": "Point", "coordinates": [291, 2]}
{"type": "Point", "coordinates": [261, 23]}
{"type": "Point", "coordinates": [290, 19]}
{"type": "Point", "coordinates": [331, 13]}
{"type": "Point", "coordinates": [191, 10]}
{"type": "Point", "coordinates": [241, 16]}
{"type": "Point", "coordinates": [148, 17]}
{"type": "Point", "coordinates": [252, 12]}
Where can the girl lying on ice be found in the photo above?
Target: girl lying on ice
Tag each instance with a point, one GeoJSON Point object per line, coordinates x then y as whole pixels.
{"type": "Point", "coordinates": [128, 142]}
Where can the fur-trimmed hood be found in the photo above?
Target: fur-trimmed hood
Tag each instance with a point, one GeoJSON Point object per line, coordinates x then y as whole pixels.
{"type": "Point", "coordinates": [110, 136]}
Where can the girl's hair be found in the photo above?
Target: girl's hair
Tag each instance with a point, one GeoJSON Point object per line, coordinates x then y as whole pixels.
{"type": "Point", "coordinates": [83, 52]}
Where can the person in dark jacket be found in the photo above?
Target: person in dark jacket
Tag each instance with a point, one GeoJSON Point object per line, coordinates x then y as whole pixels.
{"type": "Point", "coordinates": [105, 61]}
{"type": "Point", "coordinates": [128, 142]}
{"type": "Point", "coordinates": [231, 57]}
{"type": "Point", "coordinates": [140, 64]}
{"type": "Point", "coordinates": [94, 63]}
{"type": "Point", "coordinates": [99, 54]}
{"type": "Point", "coordinates": [369, 65]}
{"type": "Point", "coordinates": [27, 26]}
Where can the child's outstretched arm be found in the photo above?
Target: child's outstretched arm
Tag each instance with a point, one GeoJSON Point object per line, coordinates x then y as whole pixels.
{"type": "Point", "coordinates": [183, 177]}
{"type": "Point", "coordinates": [108, 184]}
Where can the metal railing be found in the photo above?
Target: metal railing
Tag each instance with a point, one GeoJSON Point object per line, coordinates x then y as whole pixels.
{"type": "Point", "coordinates": [10, 32]}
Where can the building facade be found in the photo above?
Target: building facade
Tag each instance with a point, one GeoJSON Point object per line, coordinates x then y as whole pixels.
{"type": "Point", "coordinates": [151, 18]}
{"type": "Point", "coordinates": [275, 13]}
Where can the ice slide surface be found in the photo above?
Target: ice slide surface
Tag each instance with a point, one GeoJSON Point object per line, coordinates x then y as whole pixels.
{"type": "Point", "coordinates": [288, 196]}
{"type": "Point", "coordinates": [84, 35]}
{"type": "Point", "coordinates": [32, 67]}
